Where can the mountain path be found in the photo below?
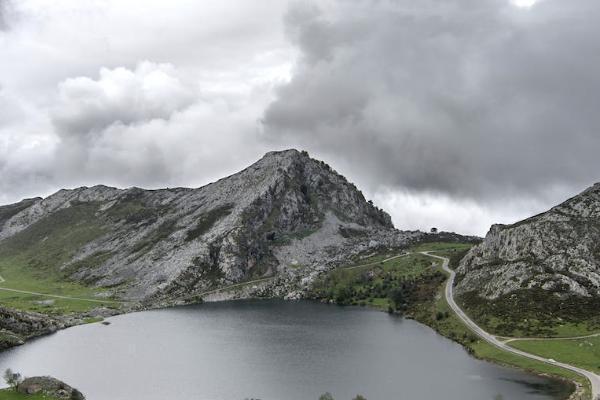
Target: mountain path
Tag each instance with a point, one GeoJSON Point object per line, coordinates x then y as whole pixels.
{"type": "Point", "coordinates": [55, 296]}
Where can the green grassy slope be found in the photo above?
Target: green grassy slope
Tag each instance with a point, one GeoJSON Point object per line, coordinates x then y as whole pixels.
{"type": "Point", "coordinates": [9, 394]}
{"type": "Point", "coordinates": [32, 259]}
{"type": "Point", "coordinates": [584, 353]}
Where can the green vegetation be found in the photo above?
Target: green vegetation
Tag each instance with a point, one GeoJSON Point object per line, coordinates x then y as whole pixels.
{"type": "Point", "coordinates": [91, 262]}
{"type": "Point", "coordinates": [441, 246]}
{"type": "Point", "coordinates": [45, 246]}
{"type": "Point", "coordinates": [583, 353]}
{"type": "Point", "coordinates": [534, 313]}
{"type": "Point", "coordinates": [47, 388]}
{"type": "Point", "coordinates": [53, 306]}
{"type": "Point", "coordinates": [328, 396]}
{"type": "Point", "coordinates": [163, 231]}
{"type": "Point", "coordinates": [351, 233]}
{"type": "Point", "coordinates": [210, 271]}
{"type": "Point", "coordinates": [393, 285]}
{"type": "Point", "coordinates": [9, 339]}
{"type": "Point", "coordinates": [11, 394]}
{"type": "Point", "coordinates": [132, 209]}
{"type": "Point", "coordinates": [438, 315]}
{"type": "Point", "coordinates": [8, 211]}
{"type": "Point", "coordinates": [32, 261]}
{"type": "Point", "coordinates": [409, 285]}
{"type": "Point", "coordinates": [207, 221]}
{"type": "Point", "coordinates": [21, 278]}
{"type": "Point", "coordinates": [92, 320]}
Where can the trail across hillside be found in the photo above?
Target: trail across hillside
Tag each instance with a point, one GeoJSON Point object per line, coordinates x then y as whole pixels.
{"type": "Point", "coordinates": [377, 262]}
{"type": "Point", "coordinates": [512, 339]}
{"type": "Point", "coordinates": [493, 340]}
{"type": "Point", "coordinates": [55, 296]}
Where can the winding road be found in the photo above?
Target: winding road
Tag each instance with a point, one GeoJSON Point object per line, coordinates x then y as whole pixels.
{"type": "Point", "coordinates": [493, 340]}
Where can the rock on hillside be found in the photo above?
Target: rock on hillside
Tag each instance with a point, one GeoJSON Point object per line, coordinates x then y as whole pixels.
{"type": "Point", "coordinates": [285, 211]}
{"type": "Point", "coordinates": [49, 387]}
{"type": "Point", "coordinates": [16, 327]}
{"type": "Point", "coordinates": [557, 252]}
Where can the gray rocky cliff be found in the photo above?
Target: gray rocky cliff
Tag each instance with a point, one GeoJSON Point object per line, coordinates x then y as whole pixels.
{"type": "Point", "coordinates": [285, 212]}
{"type": "Point", "coordinates": [557, 251]}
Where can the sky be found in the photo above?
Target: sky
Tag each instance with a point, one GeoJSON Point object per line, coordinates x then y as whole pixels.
{"type": "Point", "coordinates": [454, 114]}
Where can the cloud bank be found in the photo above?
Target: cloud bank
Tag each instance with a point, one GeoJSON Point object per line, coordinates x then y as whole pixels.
{"type": "Point", "coordinates": [454, 113]}
{"type": "Point", "coordinates": [476, 99]}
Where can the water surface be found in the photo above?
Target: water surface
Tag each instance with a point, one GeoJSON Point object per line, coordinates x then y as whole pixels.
{"type": "Point", "coordinates": [272, 350]}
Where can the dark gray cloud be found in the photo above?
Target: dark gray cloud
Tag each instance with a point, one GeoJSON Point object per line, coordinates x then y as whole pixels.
{"type": "Point", "coordinates": [3, 15]}
{"type": "Point", "coordinates": [453, 113]}
{"type": "Point", "coordinates": [470, 98]}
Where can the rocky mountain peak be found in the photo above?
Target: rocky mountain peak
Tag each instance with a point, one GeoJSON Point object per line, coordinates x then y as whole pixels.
{"type": "Point", "coordinates": [285, 209]}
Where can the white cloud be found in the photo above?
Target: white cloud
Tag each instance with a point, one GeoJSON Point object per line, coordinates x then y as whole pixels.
{"type": "Point", "coordinates": [442, 110]}
{"type": "Point", "coordinates": [134, 93]}
{"type": "Point", "coordinates": [120, 96]}
{"type": "Point", "coordinates": [418, 210]}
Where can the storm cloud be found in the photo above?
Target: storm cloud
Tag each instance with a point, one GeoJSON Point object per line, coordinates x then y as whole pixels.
{"type": "Point", "coordinates": [447, 113]}
{"type": "Point", "coordinates": [475, 99]}
{"type": "Point", "coordinates": [3, 14]}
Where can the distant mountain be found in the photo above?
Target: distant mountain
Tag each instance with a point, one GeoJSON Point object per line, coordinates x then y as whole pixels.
{"type": "Point", "coordinates": [285, 212]}
{"type": "Point", "coordinates": [549, 263]}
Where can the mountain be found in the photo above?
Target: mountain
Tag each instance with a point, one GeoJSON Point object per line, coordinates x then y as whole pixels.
{"type": "Point", "coordinates": [287, 212]}
{"type": "Point", "coordinates": [549, 263]}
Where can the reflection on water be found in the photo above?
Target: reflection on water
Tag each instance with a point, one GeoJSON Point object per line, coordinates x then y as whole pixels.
{"type": "Point", "coordinates": [272, 350]}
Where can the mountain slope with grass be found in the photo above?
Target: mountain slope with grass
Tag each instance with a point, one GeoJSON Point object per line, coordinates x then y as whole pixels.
{"type": "Point", "coordinates": [285, 212]}
{"type": "Point", "coordinates": [540, 275]}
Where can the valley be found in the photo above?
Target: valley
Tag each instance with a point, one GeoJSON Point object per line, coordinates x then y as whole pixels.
{"type": "Point", "coordinates": [290, 227]}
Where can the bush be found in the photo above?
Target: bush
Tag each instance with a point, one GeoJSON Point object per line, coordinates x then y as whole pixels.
{"type": "Point", "coordinates": [12, 378]}
{"type": "Point", "coordinates": [77, 395]}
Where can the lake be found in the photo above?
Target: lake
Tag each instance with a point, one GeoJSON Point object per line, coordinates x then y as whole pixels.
{"type": "Point", "coordinates": [271, 350]}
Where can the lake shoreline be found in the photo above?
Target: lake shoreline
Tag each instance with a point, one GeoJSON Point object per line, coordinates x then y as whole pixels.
{"type": "Point", "coordinates": [573, 387]}
{"type": "Point", "coordinates": [274, 306]}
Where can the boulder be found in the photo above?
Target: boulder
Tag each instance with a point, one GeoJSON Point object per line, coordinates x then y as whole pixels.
{"type": "Point", "coordinates": [50, 387]}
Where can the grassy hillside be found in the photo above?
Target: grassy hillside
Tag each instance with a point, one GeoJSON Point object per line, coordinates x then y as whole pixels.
{"type": "Point", "coordinates": [584, 353]}
{"type": "Point", "coordinates": [393, 285]}
{"type": "Point", "coordinates": [534, 313]}
{"type": "Point", "coordinates": [33, 260]}
{"type": "Point", "coordinates": [9, 394]}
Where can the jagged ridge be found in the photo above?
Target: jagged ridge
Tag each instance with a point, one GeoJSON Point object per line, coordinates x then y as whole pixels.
{"type": "Point", "coordinates": [286, 209]}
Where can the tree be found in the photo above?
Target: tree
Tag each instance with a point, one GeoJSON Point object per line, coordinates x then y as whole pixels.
{"type": "Point", "coordinates": [77, 395]}
{"type": "Point", "coordinates": [12, 378]}
{"type": "Point", "coordinates": [326, 396]}
{"type": "Point", "coordinates": [359, 397]}
{"type": "Point", "coordinates": [434, 230]}
{"type": "Point", "coordinates": [397, 297]}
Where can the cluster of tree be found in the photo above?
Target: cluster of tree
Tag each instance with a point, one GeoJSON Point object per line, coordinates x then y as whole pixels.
{"type": "Point", "coordinates": [349, 287]}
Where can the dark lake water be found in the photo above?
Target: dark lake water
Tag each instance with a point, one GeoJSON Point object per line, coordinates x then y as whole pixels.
{"type": "Point", "coordinates": [272, 350]}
